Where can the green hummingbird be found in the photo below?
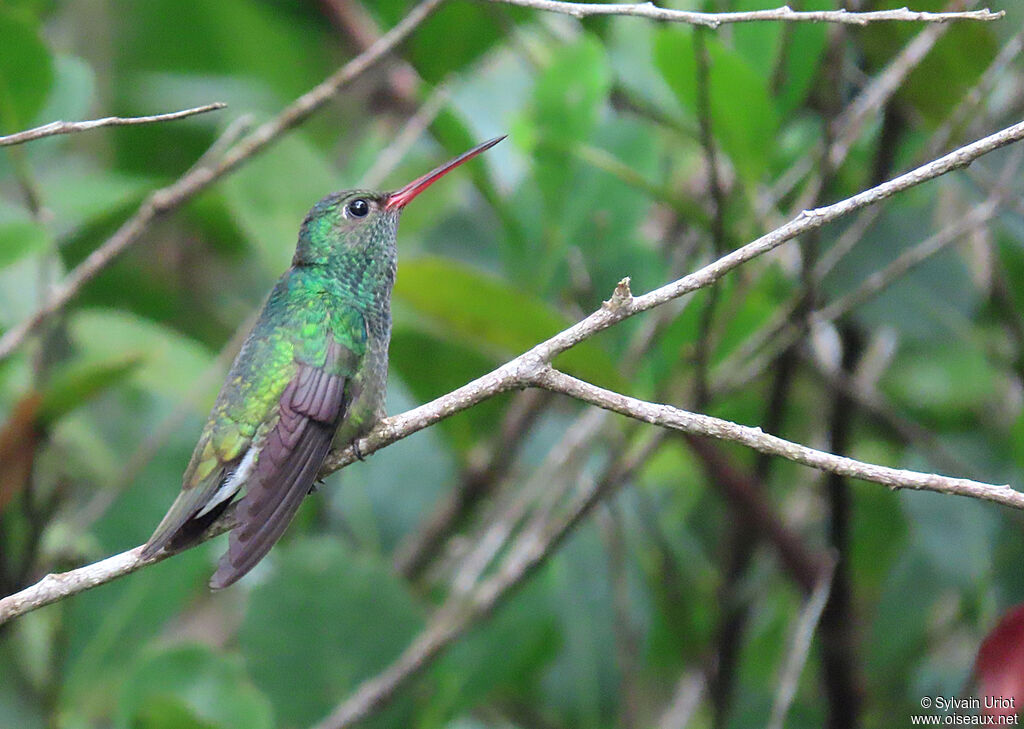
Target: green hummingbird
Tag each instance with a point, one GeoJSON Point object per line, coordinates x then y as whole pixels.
{"type": "Point", "coordinates": [312, 372]}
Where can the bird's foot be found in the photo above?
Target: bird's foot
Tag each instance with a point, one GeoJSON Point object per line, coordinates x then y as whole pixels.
{"type": "Point", "coordinates": [355, 449]}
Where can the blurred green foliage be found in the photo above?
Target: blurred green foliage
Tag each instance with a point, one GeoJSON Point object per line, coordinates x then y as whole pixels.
{"type": "Point", "coordinates": [604, 176]}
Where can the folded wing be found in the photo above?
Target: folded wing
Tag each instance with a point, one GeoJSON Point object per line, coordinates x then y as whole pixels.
{"type": "Point", "coordinates": [289, 458]}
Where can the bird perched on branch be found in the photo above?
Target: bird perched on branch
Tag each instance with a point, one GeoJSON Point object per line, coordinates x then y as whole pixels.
{"type": "Point", "coordinates": [311, 372]}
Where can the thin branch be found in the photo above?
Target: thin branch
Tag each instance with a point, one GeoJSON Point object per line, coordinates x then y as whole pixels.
{"type": "Point", "coordinates": [62, 127]}
{"type": "Point", "coordinates": [756, 516]}
{"type": "Point", "coordinates": [667, 416]}
{"type": "Point", "coordinates": [414, 128]}
{"type": "Point", "coordinates": [840, 668]}
{"type": "Point", "coordinates": [359, 27]}
{"type": "Point", "coordinates": [868, 398]}
{"type": "Point", "coordinates": [55, 587]}
{"type": "Point", "coordinates": [485, 471]}
{"type": "Point", "coordinates": [849, 125]}
{"type": "Point", "coordinates": [537, 493]}
{"type": "Point", "coordinates": [531, 368]}
{"type": "Point", "coordinates": [199, 178]}
{"type": "Point", "coordinates": [846, 127]}
{"type": "Point", "coordinates": [714, 20]}
{"type": "Point", "coordinates": [514, 499]}
{"type": "Point", "coordinates": [689, 690]}
{"type": "Point", "coordinates": [883, 278]}
{"type": "Point", "coordinates": [966, 108]}
{"type": "Point", "coordinates": [704, 346]}
{"type": "Point", "coordinates": [775, 339]}
{"type": "Point", "coordinates": [530, 550]}
{"type": "Point", "coordinates": [779, 335]}
{"type": "Point", "coordinates": [799, 649]}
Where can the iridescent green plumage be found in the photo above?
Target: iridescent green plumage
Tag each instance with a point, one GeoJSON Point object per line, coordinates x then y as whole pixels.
{"type": "Point", "coordinates": [312, 371]}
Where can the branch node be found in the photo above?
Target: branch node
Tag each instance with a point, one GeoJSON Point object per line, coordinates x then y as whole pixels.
{"type": "Point", "coordinates": [621, 296]}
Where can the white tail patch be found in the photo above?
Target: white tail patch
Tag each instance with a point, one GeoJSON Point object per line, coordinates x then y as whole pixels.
{"type": "Point", "coordinates": [232, 483]}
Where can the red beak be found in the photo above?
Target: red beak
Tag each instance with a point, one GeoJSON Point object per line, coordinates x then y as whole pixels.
{"type": "Point", "coordinates": [400, 198]}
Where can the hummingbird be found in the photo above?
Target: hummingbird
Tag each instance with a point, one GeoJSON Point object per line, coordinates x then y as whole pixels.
{"type": "Point", "coordinates": [311, 372]}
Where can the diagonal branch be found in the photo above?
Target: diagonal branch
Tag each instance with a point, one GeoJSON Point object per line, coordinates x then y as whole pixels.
{"type": "Point", "coordinates": [799, 649]}
{"type": "Point", "coordinates": [63, 127]}
{"type": "Point", "coordinates": [461, 612]}
{"type": "Point", "coordinates": [533, 369]}
{"type": "Point", "coordinates": [713, 20]}
{"type": "Point", "coordinates": [667, 416]}
{"type": "Point", "coordinates": [200, 177]}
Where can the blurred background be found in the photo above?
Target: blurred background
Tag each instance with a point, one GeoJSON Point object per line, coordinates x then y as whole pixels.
{"type": "Point", "coordinates": [636, 149]}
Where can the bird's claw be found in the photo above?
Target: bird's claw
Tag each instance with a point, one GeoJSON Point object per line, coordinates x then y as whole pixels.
{"type": "Point", "coordinates": [356, 450]}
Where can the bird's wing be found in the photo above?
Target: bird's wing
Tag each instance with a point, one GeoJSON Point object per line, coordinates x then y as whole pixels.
{"type": "Point", "coordinates": [290, 455]}
{"type": "Point", "coordinates": [286, 390]}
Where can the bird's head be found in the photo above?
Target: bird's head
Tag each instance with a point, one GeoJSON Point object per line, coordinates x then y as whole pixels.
{"type": "Point", "coordinates": [363, 221]}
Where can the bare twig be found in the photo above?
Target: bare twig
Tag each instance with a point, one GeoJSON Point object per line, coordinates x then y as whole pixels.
{"type": "Point", "coordinates": [532, 369]}
{"type": "Point", "coordinates": [704, 346]}
{"type": "Point", "coordinates": [626, 639]}
{"type": "Point", "coordinates": [55, 587]}
{"type": "Point", "coordinates": [883, 278]}
{"type": "Point", "coordinates": [537, 493]}
{"type": "Point", "coordinates": [411, 132]}
{"type": "Point", "coordinates": [755, 438]}
{"type": "Point", "coordinates": [799, 649]}
{"type": "Point", "coordinates": [459, 612]}
{"type": "Point", "coordinates": [779, 334]}
{"type": "Point", "coordinates": [848, 126]}
{"type": "Point", "coordinates": [685, 699]}
{"type": "Point", "coordinates": [867, 398]}
{"type": "Point", "coordinates": [778, 338]}
{"type": "Point", "coordinates": [966, 108]}
{"type": "Point", "coordinates": [199, 178]}
{"type": "Point", "coordinates": [756, 515]}
{"type": "Point", "coordinates": [62, 127]}
{"type": "Point", "coordinates": [713, 20]}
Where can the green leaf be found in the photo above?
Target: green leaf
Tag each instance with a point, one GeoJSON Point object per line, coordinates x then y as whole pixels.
{"type": "Point", "coordinates": [804, 55]}
{"type": "Point", "coordinates": [254, 56]}
{"type": "Point", "coordinates": [18, 238]}
{"type": "Point", "coordinates": [271, 194]}
{"type": "Point", "coordinates": [169, 364]}
{"type": "Point", "coordinates": [82, 195]}
{"type": "Point", "coordinates": [523, 632]}
{"type": "Point", "coordinates": [323, 620]}
{"type": "Point", "coordinates": [70, 98]}
{"type": "Point", "coordinates": [486, 314]}
{"type": "Point", "coordinates": [933, 517]}
{"type": "Point", "coordinates": [108, 627]}
{"type": "Point", "coordinates": [948, 71]}
{"type": "Point", "coordinates": [744, 120]}
{"type": "Point", "coordinates": [603, 217]}
{"type": "Point", "coordinates": [413, 343]}
{"type": "Point", "coordinates": [76, 383]}
{"type": "Point", "coordinates": [581, 681]}
{"type": "Point", "coordinates": [456, 35]}
{"type": "Point", "coordinates": [212, 690]}
{"type": "Point", "coordinates": [165, 712]}
{"type": "Point", "coordinates": [945, 382]}
{"type": "Point", "coordinates": [567, 101]}
{"type": "Point", "coordinates": [26, 72]}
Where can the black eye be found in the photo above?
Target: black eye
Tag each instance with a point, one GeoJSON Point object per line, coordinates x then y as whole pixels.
{"type": "Point", "coordinates": [358, 208]}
